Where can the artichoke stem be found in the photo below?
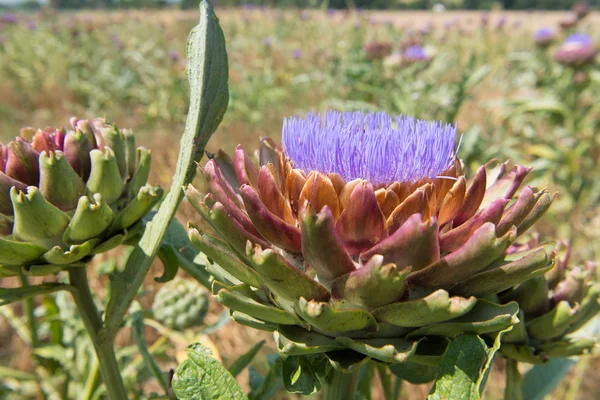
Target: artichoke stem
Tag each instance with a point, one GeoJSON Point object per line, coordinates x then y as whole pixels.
{"type": "Point", "coordinates": [514, 381]}
{"type": "Point", "coordinates": [341, 385]}
{"type": "Point", "coordinates": [109, 367]}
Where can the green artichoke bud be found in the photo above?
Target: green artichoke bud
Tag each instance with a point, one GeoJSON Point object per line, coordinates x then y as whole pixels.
{"type": "Point", "coordinates": [362, 238]}
{"type": "Point", "coordinates": [180, 304]}
{"type": "Point", "coordinates": [67, 195]}
{"type": "Point", "coordinates": [553, 307]}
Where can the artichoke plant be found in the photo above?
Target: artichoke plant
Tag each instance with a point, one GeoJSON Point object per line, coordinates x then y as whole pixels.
{"type": "Point", "coordinates": [180, 304]}
{"type": "Point", "coordinates": [66, 195]}
{"type": "Point", "coordinates": [578, 50]}
{"type": "Point", "coordinates": [361, 238]}
{"type": "Point", "coordinates": [552, 307]}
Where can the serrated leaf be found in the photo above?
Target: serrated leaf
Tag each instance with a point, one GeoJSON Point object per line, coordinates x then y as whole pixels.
{"type": "Point", "coordinates": [203, 377]}
{"type": "Point", "coordinates": [208, 75]}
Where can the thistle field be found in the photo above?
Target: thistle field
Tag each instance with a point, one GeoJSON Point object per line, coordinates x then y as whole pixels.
{"type": "Point", "coordinates": [509, 98]}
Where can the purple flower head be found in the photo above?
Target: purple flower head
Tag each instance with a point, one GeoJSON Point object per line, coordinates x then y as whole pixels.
{"type": "Point", "coordinates": [544, 36]}
{"type": "Point", "coordinates": [415, 53]}
{"type": "Point", "coordinates": [579, 39]}
{"type": "Point", "coordinates": [372, 146]}
{"type": "Point", "coordinates": [173, 55]}
{"type": "Point", "coordinates": [9, 18]}
{"type": "Point", "coordinates": [577, 50]}
{"type": "Point", "coordinates": [297, 53]}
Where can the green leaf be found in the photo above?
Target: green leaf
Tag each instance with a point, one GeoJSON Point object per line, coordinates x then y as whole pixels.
{"type": "Point", "coordinates": [415, 373]}
{"type": "Point", "coordinates": [207, 72]}
{"type": "Point", "coordinates": [178, 239]}
{"type": "Point", "coordinates": [270, 384]}
{"type": "Point", "coordinates": [541, 380]}
{"type": "Point", "coordinates": [203, 377]}
{"type": "Point", "coordinates": [299, 376]}
{"type": "Point", "coordinates": [465, 367]}
{"type": "Point", "coordinates": [11, 295]}
{"type": "Point", "coordinates": [245, 359]}
{"type": "Point", "coordinates": [168, 257]}
{"type": "Point", "coordinates": [137, 324]}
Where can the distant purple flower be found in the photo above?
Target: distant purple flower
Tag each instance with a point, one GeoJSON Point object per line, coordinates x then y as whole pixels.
{"type": "Point", "coordinates": [544, 36]}
{"type": "Point", "coordinates": [372, 146]}
{"type": "Point", "coordinates": [173, 55]}
{"type": "Point", "coordinates": [577, 50]}
{"type": "Point", "coordinates": [31, 25]}
{"type": "Point", "coordinates": [331, 12]}
{"type": "Point", "coordinates": [416, 53]}
{"type": "Point", "coordinates": [304, 15]}
{"type": "Point", "coordinates": [501, 22]}
{"type": "Point", "coordinates": [117, 41]}
{"type": "Point", "coordinates": [297, 53]}
{"type": "Point", "coordinates": [9, 18]}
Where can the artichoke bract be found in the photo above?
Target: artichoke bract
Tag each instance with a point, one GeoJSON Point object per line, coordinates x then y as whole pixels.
{"type": "Point", "coordinates": [181, 304]}
{"type": "Point", "coordinates": [553, 307]}
{"type": "Point", "coordinates": [361, 238]}
{"type": "Point", "coordinates": [66, 195]}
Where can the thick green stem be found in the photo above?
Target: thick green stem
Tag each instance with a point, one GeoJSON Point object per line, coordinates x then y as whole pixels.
{"type": "Point", "coordinates": [109, 368]}
{"type": "Point", "coordinates": [29, 311]}
{"type": "Point", "coordinates": [514, 382]}
{"type": "Point", "coordinates": [342, 386]}
{"type": "Point", "coordinates": [386, 382]}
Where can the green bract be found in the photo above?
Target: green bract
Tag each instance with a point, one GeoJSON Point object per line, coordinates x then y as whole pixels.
{"type": "Point", "coordinates": [354, 271]}
{"type": "Point", "coordinates": [180, 304]}
{"type": "Point", "coordinates": [67, 195]}
{"type": "Point", "coordinates": [553, 306]}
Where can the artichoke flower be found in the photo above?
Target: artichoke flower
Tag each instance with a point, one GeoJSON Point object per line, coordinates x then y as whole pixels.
{"type": "Point", "coordinates": [67, 195]}
{"type": "Point", "coordinates": [578, 50]}
{"type": "Point", "coordinates": [180, 304]}
{"type": "Point", "coordinates": [553, 306]}
{"type": "Point", "coordinates": [361, 238]}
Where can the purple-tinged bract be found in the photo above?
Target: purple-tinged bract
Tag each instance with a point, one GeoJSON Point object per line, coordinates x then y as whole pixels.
{"type": "Point", "coordinates": [372, 146]}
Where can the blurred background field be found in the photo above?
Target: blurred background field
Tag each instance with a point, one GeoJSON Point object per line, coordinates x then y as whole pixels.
{"type": "Point", "coordinates": [482, 71]}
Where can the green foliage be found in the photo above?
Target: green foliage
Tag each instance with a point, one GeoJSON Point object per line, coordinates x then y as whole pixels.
{"type": "Point", "coordinates": [202, 377]}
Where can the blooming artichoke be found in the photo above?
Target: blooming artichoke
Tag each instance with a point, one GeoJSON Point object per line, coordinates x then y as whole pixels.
{"type": "Point", "coordinates": [362, 237]}
{"type": "Point", "coordinates": [67, 195]}
{"type": "Point", "coordinates": [577, 50]}
{"type": "Point", "coordinates": [552, 307]}
{"type": "Point", "coordinates": [181, 304]}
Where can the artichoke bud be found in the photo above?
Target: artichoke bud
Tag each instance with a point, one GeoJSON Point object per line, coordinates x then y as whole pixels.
{"type": "Point", "coordinates": [84, 127]}
{"type": "Point", "coordinates": [115, 140]}
{"type": "Point", "coordinates": [91, 219]}
{"type": "Point", "coordinates": [6, 225]}
{"type": "Point", "coordinates": [105, 177]}
{"type": "Point", "coordinates": [44, 141]}
{"type": "Point", "coordinates": [146, 197]}
{"type": "Point", "coordinates": [532, 296]}
{"type": "Point", "coordinates": [553, 306]}
{"type": "Point", "coordinates": [59, 183]}
{"type": "Point", "coordinates": [65, 196]}
{"type": "Point", "coordinates": [36, 220]}
{"type": "Point", "coordinates": [77, 147]}
{"type": "Point", "coordinates": [130, 151]}
{"type": "Point", "coordinates": [22, 162]}
{"type": "Point", "coordinates": [27, 133]}
{"type": "Point", "coordinates": [571, 288]}
{"type": "Point", "coordinates": [140, 176]}
{"type": "Point", "coordinates": [181, 304]}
